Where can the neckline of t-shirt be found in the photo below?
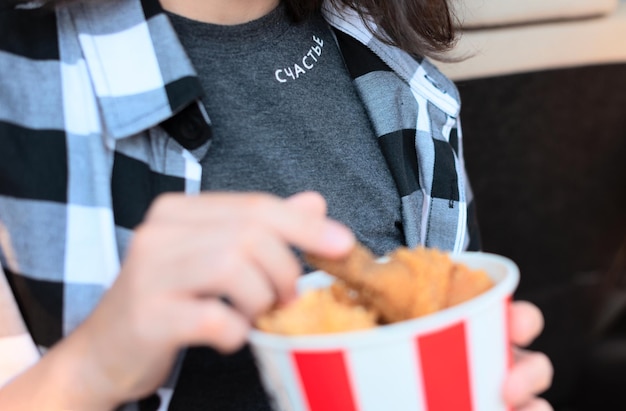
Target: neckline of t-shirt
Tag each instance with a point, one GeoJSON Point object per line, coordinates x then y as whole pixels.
{"type": "Point", "coordinates": [233, 39]}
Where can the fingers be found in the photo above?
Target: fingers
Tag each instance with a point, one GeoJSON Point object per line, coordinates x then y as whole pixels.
{"type": "Point", "coordinates": [248, 265]}
{"type": "Point", "coordinates": [526, 323]}
{"type": "Point", "coordinates": [246, 289]}
{"type": "Point", "coordinates": [531, 375]}
{"type": "Point", "coordinates": [253, 280]}
{"type": "Point", "coordinates": [301, 223]}
{"type": "Point", "coordinates": [532, 372]}
{"type": "Point", "coordinates": [211, 322]}
{"type": "Point", "coordinates": [201, 265]}
{"type": "Point", "coordinates": [199, 248]}
{"type": "Point", "coordinates": [192, 250]}
{"type": "Point", "coordinates": [536, 404]}
{"type": "Point", "coordinates": [299, 220]}
{"type": "Point", "coordinates": [280, 265]}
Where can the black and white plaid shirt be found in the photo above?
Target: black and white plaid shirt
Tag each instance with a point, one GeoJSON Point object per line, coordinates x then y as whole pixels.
{"type": "Point", "coordinates": [99, 113]}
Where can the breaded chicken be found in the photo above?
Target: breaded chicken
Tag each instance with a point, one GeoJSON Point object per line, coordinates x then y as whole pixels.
{"type": "Point", "coordinates": [411, 283]}
{"type": "Point", "coordinates": [466, 284]}
{"type": "Point", "coordinates": [408, 283]}
{"type": "Point", "coordinates": [317, 312]}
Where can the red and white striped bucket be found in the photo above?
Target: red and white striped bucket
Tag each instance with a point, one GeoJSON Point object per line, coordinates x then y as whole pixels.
{"type": "Point", "coordinates": [452, 360]}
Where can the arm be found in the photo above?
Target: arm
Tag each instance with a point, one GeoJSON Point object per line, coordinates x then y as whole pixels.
{"type": "Point", "coordinates": [17, 350]}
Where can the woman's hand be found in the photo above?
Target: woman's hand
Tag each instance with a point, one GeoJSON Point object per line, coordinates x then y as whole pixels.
{"type": "Point", "coordinates": [532, 371]}
{"type": "Point", "coordinates": [188, 254]}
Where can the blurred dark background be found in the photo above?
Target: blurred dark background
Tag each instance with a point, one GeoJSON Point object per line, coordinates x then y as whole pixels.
{"type": "Point", "coordinates": [546, 155]}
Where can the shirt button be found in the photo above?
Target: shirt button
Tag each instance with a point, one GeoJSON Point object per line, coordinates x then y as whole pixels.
{"type": "Point", "coordinates": [192, 130]}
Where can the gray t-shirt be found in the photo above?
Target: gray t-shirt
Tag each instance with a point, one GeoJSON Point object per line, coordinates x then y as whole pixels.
{"type": "Point", "coordinates": [286, 118]}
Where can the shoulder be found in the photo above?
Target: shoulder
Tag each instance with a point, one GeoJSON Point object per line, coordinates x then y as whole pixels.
{"type": "Point", "coordinates": [28, 33]}
{"type": "Point", "coordinates": [364, 51]}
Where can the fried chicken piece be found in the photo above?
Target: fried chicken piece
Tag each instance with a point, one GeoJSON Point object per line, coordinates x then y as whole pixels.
{"type": "Point", "coordinates": [410, 284]}
{"type": "Point", "coordinates": [317, 312]}
{"type": "Point", "coordinates": [431, 272]}
{"type": "Point", "coordinates": [358, 270]}
{"type": "Point", "coordinates": [357, 262]}
{"type": "Point", "coordinates": [466, 284]}
{"type": "Point", "coordinates": [344, 294]}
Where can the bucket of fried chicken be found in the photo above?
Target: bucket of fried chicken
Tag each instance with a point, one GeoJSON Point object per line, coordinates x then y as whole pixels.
{"type": "Point", "coordinates": [418, 330]}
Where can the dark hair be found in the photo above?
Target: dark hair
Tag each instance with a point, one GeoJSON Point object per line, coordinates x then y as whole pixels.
{"type": "Point", "coordinates": [419, 27]}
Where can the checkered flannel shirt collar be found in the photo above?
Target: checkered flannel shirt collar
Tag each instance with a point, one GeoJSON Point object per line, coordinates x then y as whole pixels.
{"type": "Point", "coordinates": [425, 157]}
{"type": "Point", "coordinates": [140, 73]}
{"type": "Point", "coordinates": [413, 71]}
